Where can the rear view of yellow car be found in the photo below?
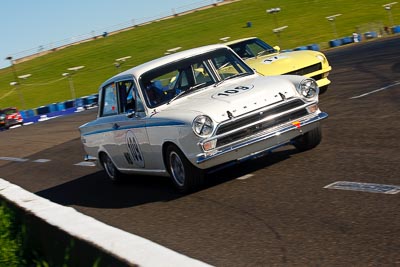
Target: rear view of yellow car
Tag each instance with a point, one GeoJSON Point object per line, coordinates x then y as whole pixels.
{"type": "Point", "coordinates": [268, 60]}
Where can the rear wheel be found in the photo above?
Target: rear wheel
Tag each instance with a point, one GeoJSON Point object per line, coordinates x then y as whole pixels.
{"type": "Point", "coordinates": [112, 172]}
{"type": "Point", "coordinates": [309, 140]}
{"type": "Point", "coordinates": [185, 176]}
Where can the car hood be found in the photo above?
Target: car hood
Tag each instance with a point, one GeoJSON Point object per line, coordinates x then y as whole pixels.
{"type": "Point", "coordinates": [275, 64]}
{"type": "Point", "coordinates": [232, 97]}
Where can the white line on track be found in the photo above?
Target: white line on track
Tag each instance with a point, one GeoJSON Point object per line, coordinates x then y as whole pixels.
{"type": "Point", "coordinates": [245, 177]}
{"type": "Point", "coordinates": [41, 160]}
{"type": "Point", "coordinates": [83, 163]}
{"type": "Point", "coordinates": [86, 164]}
{"type": "Point", "coordinates": [13, 159]}
{"type": "Point", "coordinates": [365, 187]}
{"type": "Point", "coordinates": [375, 91]}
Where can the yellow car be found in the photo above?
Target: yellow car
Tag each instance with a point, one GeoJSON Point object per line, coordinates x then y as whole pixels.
{"type": "Point", "coordinates": [268, 60]}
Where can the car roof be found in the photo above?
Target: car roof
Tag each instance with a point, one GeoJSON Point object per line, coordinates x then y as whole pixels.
{"type": "Point", "coordinates": [140, 69]}
{"type": "Point", "coordinates": [4, 109]}
{"type": "Point", "coordinates": [239, 40]}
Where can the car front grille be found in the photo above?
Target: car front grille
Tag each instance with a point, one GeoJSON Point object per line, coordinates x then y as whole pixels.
{"type": "Point", "coordinates": [306, 70]}
{"type": "Point", "coordinates": [291, 111]}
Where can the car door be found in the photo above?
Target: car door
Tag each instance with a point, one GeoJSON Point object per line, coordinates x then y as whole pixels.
{"type": "Point", "coordinates": [130, 136]}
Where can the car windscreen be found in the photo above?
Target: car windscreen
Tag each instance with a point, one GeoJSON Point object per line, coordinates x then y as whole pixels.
{"type": "Point", "coordinates": [172, 80]}
{"type": "Point", "coordinates": [252, 48]}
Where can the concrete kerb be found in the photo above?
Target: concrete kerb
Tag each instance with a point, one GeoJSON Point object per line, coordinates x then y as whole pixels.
{"type": "Point", "coordinates": [129, 249]}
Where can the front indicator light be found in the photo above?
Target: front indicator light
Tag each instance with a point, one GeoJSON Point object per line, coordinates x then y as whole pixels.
{"type": "Point", "coordinates": [209, 145]}
{"type": "Point", "coordinates": [297, 124]}
{"type": "Point", "coordinates": [313, 108]}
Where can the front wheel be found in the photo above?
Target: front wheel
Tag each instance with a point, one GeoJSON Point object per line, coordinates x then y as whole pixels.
{"type": "Point", "coordinates": [309, 140]}
{"type": "Point", "coordinates": [185, 176]}
{"type": "Point", "coordinates": [112, 172]}
{"type": "Point", "coordinates": [323, 89]}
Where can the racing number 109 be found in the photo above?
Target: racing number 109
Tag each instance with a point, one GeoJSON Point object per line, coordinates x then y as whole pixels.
{"type": "Point", "coordinates": [235, 90]}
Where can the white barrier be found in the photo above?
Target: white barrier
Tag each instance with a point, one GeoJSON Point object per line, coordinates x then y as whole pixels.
{"type": "Point", "coordinates": [131, 249]}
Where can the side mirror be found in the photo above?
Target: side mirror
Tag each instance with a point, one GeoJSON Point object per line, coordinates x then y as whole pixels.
{"type": "Point", "coordinates": [277, 48]}
{"type": "Point", "coordinates": [130, 113]}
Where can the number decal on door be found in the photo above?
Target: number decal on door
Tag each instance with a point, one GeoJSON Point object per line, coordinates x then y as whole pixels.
{"type": "Point", "coordinates": [134, 150]}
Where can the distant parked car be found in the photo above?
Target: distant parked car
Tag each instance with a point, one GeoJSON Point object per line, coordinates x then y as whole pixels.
{"type": "Point", "coordinates": [185, 113]}
{"type": "Point", "coordinates": [10, 117]}
{"type": "Point", "coordinates": [268, 60]}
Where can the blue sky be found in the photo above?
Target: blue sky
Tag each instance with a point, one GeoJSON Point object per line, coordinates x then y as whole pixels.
{"type": "Point", "coordinates": [30, 25]}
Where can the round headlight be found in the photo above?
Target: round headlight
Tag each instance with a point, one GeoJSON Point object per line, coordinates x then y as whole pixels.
{"type": "Point", "coordinates": [308, 88]}
{"type": "Point", "coordinates": [203, 126]}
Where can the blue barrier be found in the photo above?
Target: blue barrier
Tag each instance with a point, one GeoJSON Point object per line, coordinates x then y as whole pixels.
{"type": "Point", "coordinates": [301, 48]}
{"type": "Point", "coordinates": [32, 119]}
{"type": "Point", "coordinates": [69, 104]}
{"type": "Point", "coordinates": [335, 43]}
{"type": "Point", "coordinates": [60, 106]}
{"type": "Point", "coordinates": [370, 35]}
{"type": "Point", "coordinates": [396, 29]}
{"type": "Point", "coordinates": [27, 113]}
{"type": "Point", "coordinates": [53, 107]}
{"type": "Point", "coordinates": [42, 110]}
{"type": "Point", "coordinates": [79, 102]}
{"type": "Point", "coordinates": [314, 47]}
{"type": "Point", "coordinates": [347, 40]}
{"type": "Point", "coordinates": [93, 99]}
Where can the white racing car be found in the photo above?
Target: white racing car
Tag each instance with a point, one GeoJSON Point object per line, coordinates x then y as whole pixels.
{"type": "Point", "coordinates": [186, 113]}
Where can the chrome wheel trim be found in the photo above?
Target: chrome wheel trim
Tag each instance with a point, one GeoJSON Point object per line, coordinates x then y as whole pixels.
{"type": "Point", "coordinates": [177, 168]}
{"type": "Point", "coordinates": [109, 167]}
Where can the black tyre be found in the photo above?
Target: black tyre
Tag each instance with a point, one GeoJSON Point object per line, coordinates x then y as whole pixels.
{"type": "Point", "coordinates": [185, 176]}
{"type": "Point", "coordinates": [112, 172]}
{"type": "Point", "coordinates": [323, 89]}
{"type": "Point", "coordinates": [309, 140]}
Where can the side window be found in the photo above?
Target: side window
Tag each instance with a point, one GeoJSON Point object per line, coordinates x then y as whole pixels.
{"type": "Point", "coordinates": [110, 100]}
{"type": "Point", "coordinates": [126, 95]}
{"type": "Point", "coordinates": [129, 98]}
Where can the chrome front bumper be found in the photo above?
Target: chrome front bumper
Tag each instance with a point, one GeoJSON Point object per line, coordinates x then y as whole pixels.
{"type": "Point", "coordinates": [259, 143]}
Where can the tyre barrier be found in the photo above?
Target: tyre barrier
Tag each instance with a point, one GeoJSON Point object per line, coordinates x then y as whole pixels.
{"type": "Point", "coordinates": [347, 40]}
{"type": "Point", "coordinates": [42, 110]}
{"type": "Point", "coordinates": [370, 35]}
{"type": "Point", "coordinates": [300, 48]}
{"type": "Point", "coordinates": [396, 29]}
{"type": "Point", "coordinates": [313, 47]}
{"type": "Point", "coordinates": [69, 104]}
{"type": "Point", "coordinates": [58, 109]}
{"type": "Point", "coordinates": [28, 113]}
{"type": "Point", "coordinates": [53, 107]}
{"type": "Point", "coordinates": [335, 43]}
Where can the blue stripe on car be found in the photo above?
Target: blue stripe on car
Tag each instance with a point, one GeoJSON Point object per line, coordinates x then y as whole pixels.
{"type": "Point", "coordinates": [155, 124]}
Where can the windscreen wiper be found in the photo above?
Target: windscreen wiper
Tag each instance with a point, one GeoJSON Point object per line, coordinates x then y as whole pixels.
{"type": "Point", "coordinates": [231, 77]}
{"type": "Point", "coordinates": [186, 91]}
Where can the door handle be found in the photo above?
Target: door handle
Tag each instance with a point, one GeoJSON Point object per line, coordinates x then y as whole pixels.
{"type": "Point", "coordinates": [115, 126]}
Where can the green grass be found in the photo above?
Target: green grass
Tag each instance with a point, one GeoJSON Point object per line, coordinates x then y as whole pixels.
{"type": "Point", "coordinates": [305, 20]}
{"type": "Point", "coordinates": [11, 238]}
{"type": "Point", "coordinates": [16, 248]}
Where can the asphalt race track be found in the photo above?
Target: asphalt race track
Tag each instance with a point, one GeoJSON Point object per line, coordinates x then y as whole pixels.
{"type": "Point", "coordinates": [272, 211]}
